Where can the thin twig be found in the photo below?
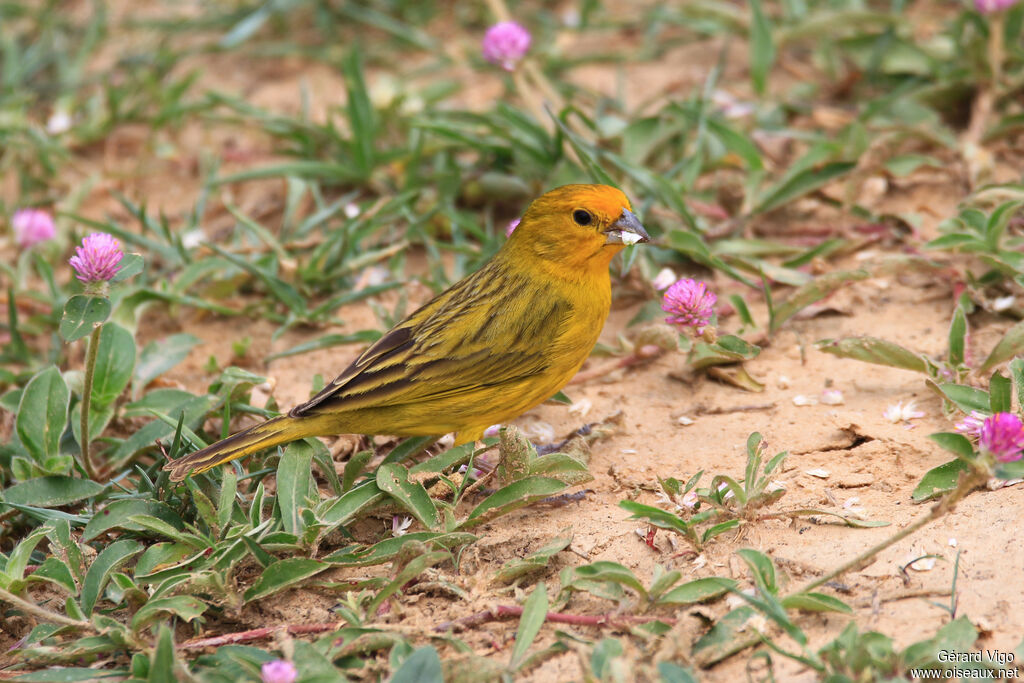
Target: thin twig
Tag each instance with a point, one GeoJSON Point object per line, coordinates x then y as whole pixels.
{"type": "Point", "coordinates": [903, 595]}
{"type": "Point", "coordinates": [261, 634]}
{"type": "Point", "coordinates": [642, 355]}
{"type": "Point", "coordinates": [507, 611]}
{"type": "Point", "coordinates": [968, 483]}
{"type": "Point", "coordinates": [734, 409]}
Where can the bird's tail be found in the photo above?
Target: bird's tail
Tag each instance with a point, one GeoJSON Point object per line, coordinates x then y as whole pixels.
{"type": "Point", "coordinates": [267, 434]}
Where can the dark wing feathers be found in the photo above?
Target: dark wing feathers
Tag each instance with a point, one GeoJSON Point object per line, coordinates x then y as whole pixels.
{"type": "Point", "coordinates": [419, 358]}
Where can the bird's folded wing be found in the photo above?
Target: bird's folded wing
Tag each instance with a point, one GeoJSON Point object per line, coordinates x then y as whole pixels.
{"type": "Point", "coordinates": [470, 337]}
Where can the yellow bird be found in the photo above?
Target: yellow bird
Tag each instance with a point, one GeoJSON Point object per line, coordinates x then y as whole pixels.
{"type": "Point", "coordinates": [494, 345]}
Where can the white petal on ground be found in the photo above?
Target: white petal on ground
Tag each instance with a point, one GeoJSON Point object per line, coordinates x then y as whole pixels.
{"type": "Point", "coordinates": [832, 397]}
{"type": "Point", "coordinates": [901, 412]}
{"type": "Point", "coordinates": [581, 407]}
{"type": "Point", "coordinates": [1002, 303]}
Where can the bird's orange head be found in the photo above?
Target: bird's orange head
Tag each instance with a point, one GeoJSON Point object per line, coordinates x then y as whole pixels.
{"type": "Point", "coordinates": [578, 225]}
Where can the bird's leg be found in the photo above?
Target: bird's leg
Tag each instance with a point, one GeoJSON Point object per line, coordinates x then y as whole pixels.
{"type": "Point", "coordinates": [485, 467]}
{"type": "Point", "coordinates": [584, 431]}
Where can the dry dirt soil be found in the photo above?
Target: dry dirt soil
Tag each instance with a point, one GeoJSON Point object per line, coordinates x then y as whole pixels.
{"type": "Point", "coordinates": [861, 461]}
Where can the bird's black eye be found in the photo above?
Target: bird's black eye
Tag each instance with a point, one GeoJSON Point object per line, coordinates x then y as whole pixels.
{"type": "Point", "coordinates": [582, 217]}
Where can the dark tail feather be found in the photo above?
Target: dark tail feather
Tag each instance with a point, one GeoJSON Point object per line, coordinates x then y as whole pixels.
{"type": "Point", "coordinates": [271, 433]}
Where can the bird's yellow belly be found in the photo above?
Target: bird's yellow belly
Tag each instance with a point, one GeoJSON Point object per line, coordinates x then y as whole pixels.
{"type": "Point", "coordinates": [470, 412]}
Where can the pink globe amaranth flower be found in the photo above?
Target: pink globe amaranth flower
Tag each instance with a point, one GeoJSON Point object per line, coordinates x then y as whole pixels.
{"type": "Point", "coordinates": [98, 259]}
{"type": "Point", "coordinates": [987, 6]}
{"type": "Point", "coordinates": [278, 671]}
{"type": "Point", "coordinates": [690, 304]}
{"type": "Point", "coordinates": [511, 227]}
{"type": "Point", "coordinates": [1002, 435]}
{"type": "Point", "coordinates": [971, 425]}
{"type": "Point", "coordinates": [505, 44]}
{"type": "Point", "coordinates": [32, 226]}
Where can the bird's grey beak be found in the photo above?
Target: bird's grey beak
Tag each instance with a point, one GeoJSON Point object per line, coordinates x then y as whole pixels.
{"type": "Point", "coordinates": [626, 230]}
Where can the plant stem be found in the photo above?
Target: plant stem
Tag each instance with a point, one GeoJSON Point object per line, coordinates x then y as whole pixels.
{"type": "Point", "coordinates": [90, 369]}
{"type": "Point", "coordinates": [41, 612]}
{"type": "Point", "coordinates": [968, 482]}
{"type": "Point", "coordinates": [508, 611]}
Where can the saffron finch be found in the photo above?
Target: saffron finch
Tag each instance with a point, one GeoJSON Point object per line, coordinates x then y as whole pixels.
{"type": "Point", "coordinates": [494, 345]}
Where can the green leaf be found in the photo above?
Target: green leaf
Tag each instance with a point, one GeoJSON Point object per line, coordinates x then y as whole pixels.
{"type": "Point", "coordinates": [726, 350]}
{"type": "Point", "coordinates": [183, 607]}
{"type": "Point", "coordinates": [164, 556]}
{"type": "Point", "coordinates": [81, 314]}
{"type": "Point", "coordinates": [66, 547]}
{"type": "Point", "coordinates": [602, 659]}
{"type": "Point", "coordinates": [815, 290]}
{"type": "Point", "coordinates": [55, 572]}
{"type": "Point", "coordinates": [1010, 470]}
{"type": "Point", "coordinates": [117, 514]}
{"type": "Point", "coordinates": [159, 356]}
{"type": "Point", "coordinates": [422, 666]}
{"type": "Point", "coordinates": [226, 500]}
{"type": "Point", "coordinates": [512, 497]}
{"type": "Point", "coordinates": [161, 665]}
{"type": "Point", "coordinates": [535, 611]}
{"type": "Point", "coordinates": [70, 675]}
{"type": "Point", "coordinates": [115, 361]}
{"type": "Point", "coordinates": [361, 118]}
{"type": "Point", "coordinates": [393, 479]}
{"type": "Point", "coordinates": [957, 336]}
{"type": "Point", "coordinates": [163, 529]}
{"type": "Point", "coordinates": [803, 182]}
{"type": "Point", "coordinates": [281, 290]}
{"type": "Point", "coordinates": [325, 342]}
{"type": "Point", "coordinates": [614, 572]}
{"type": "Point", "coordinates": [902, 165]}
{"type": "Point", "coordinates": [52, 492]}
{"type": "Point", "coordinates": [1016, 368]}
{"type": "Point", "coordinates": [535, 561]}
{"type": "Point", "coordinates": [939, 480]}
{"type": "Point", "coordinates": [966, 398]}
{"type": "Point", "coordinates": [386, 550]}
{"type": "Point", "coordinates": [561, 466]}
{"type": "Point", "coordinates": [762, 50]}
{"type": "Point", "coordinates": [43, 414]}
{"type": "Point", "coordinates": [129, 266]}
{"type": "Point", "coordinates": [697, 590]}
{"type": "Point", "coordinates": [719, 642]}
{"type": "Point", "coordinates": [284, 574]}
{"type": "Point", "coordinates": [1011, 345]}
{"type": "Point", "coordinates": [294, 478]}
{"type": "Point", "coordinates": [718, 529]}
{"type": "Point", "coordinates": [874, 350]}
{"type": "Point", "coordinates": [350, 505]}
{"type": "Point", "coordinates": [816, 602]}
{"type": "Point", "coordinates": [414, 568]}
{"type": "Point", "coordinates": [673, 673]}
{"type": "Point", "coordinates": [18, 559]}
{"type": "Point", "coordinates": [999, 394]}
{"type": "Point", "coordinates": [353, 468]}
{"type": "Point", "coordinates": [691, 244]}
{"type": "Point", "coordinates": [958, 444]}
{"type": "Point", "coordinates": [98, 574]}
{"type": "Point", "coordinates": [660, 518]}
{"type": "Point", "coordinates": [761, 567]}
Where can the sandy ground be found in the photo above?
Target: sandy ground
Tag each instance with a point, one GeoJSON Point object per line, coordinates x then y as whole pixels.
{"type": "Point", "coordinates": [870, 464]}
